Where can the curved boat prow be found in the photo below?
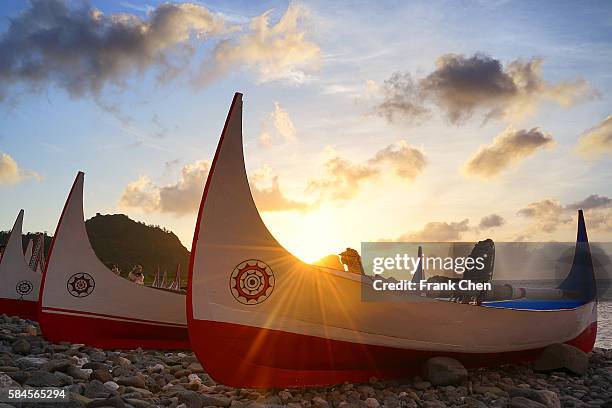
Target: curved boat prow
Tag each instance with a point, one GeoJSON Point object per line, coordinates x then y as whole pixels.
{"type": "Point", "coordinates": [580, 282]}
{"type": "Point", "coordinates": [260, 317]}
{"type": "Point", "coordinates": [82, 301]}
{"type": "Point", "coordinates": [20, 285]}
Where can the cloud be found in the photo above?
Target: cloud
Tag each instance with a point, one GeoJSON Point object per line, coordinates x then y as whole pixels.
{"type": "Point", "coordinates": [591, 202]}
{"type": "Point", "coordinates": [596, 141]}
{"type": "Point", "coordinates": [180, 198]}
{"type": "Point", "coordinates": [342, 179]}
{"type": "Point", "coordinates": [183, 197]}
{"type": "Point", "coordinates": [461, 86]}
{"type": "Point", "coordinates": [401, 99]}
{"type": "Point", "coordinates": [267, 194]}
{"type": "Point", "coordinates": [491, 221]}
{"type": "Point", "coordinates": [546, 215]}
{"type": "Point", "coordinates": [11, 173]}
{"type": "Point", "coordinates": [281, 124]}
{"type": "Point", "coordinates": [438, 232]}
{"type": "Point", "coordinates": [408, 161]}
{"type": "Point", "coordinates": [508, 149]}
{"type": "Point", "coordinates": [278, 51]}
{"type": "Point", "coordinates": [141, 194]}
{"type": "Point", "coordinates": [600, 219]}
{"type": "Point", "coordinates": [81, 50]}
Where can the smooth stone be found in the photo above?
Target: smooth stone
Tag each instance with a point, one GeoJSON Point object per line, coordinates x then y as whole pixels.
{"type": "Point", "coordinates": [101, 375]}
{"type": "Point", "coordinates": [544, 397]}
{"type": "Point", "coordinates": [285, 396]}
{"type": "Point", "coordinates": [123, 362]}
{"type": "Point", "coordinates": [562, 357]}
{"type": "Point", "coordinates": [131, 381]}
{"type": "Point", "coordinates": [43, 379]}
{"type": "Point", "coordinates": [136, 403]}
{"type": "Point", "coordinates": [191, 399]}
{"type": "Point", "coordinates": [57, 365]}
{"type": "Point", "coordinates": [78, 373]}
{"type": "Point", "coordinates": [31, 362]}
{"type": "Point", "coordinates": [372, 403]}
{"type": "Point", "coordinates": [319, 402]}
{"type": "Point", "coordinates": [97, 356]}
{"type": "Point", "coordinates": [433, 404]}
{"type": "Point", "coordinates": [19, 376]}
{"type": "Point", "coordinates": [95, 389]}
{"type": "Point", "coordinates": [474, 403]}
{"type": "Point", "coordinates": [64, 378]}
{"type": "Point", "coordinates": [215, 400]}
{"type": "Point", "coordinates": [422, 385]}
{"type": "Point", "coordinates": [79, 398]}
{"type": "Point", "coordinates": [444, 371]}
{"type": "Point", "coordinates": [482, 389]}
{"type": "Point", "coordinates": [21, 346]}
{"type": "Point", "coordinates": [195, 367]}
{"type": "Point", "coordinates": [115, 402]}
{"type": "Point", "coordinates": [111, 385]}
{"type": "Point", "coordinates": [6, 381]}
{"type": "Point", "coordinates": [522, 402]}
{"type": "Point", "coordinates": [95, 366]}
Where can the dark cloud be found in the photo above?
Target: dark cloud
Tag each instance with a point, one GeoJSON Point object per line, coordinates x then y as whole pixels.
{"type": "Point", "coordinates": [81, 50]}
{"type": "Point", "coordinates": [401, 99]}
{"type": "Point", "coordinates": [508, 148]}
{"type": "Point", "coordinates": [460, 86]}
{"type": "Point", "coordinates": [546, 215]}
{"type": "Point", "coordinates": [438, 232]}
{"type": "Point", "coordinates": [491, 221]}
{"type": "Point", "coordinates": [591, 202]}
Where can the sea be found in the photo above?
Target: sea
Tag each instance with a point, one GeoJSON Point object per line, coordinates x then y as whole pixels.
{"type": "Point", "coordinates": [604, 324]}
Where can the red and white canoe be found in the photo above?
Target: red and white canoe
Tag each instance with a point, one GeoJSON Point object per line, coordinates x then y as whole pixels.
{"type": "Point", "coordinates": [82, 301]}
{"type": "Point", "coordinates": [259, 317]}
{"type": "Point", "coordinates": [19, 284]}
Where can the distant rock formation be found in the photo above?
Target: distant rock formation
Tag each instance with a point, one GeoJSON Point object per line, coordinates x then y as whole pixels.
{"type": "Point", "coordinates": [120, 243]}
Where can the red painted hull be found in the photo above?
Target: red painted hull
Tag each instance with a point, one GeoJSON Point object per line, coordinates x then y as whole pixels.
{"type": "Point", "coordinates": [102, 332]}
{"type": "Point", "coordinates": [244, 356]}
{"type": "Point", "coordinates": [26, 309]}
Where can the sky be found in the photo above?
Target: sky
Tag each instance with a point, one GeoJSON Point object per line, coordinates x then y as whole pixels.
{"type": "Point", "coordinates": [363, 121]}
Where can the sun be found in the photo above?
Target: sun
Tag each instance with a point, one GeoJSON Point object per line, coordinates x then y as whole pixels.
{"type": "Point", "coordinates": [312, 235]}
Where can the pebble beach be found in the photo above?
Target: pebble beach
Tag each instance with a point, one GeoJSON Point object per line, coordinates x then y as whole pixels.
{"type": "Point", "coordinates": [150, 378]}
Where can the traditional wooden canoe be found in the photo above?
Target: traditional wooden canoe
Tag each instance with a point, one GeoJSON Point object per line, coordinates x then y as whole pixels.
{"type": "Point", "coordinates": [82, 301]}
{"type": "Point", "coordinates": [259, 317]}
{"type": "Point", "coordinates": [19, 284]}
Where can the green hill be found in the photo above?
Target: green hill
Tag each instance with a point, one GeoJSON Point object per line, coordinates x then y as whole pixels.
{"type": "Point", "coordinates": [117, 239]}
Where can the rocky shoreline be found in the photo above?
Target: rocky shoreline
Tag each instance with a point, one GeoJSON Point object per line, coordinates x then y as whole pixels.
{"type": "Point", "coordinates": [149, 378]}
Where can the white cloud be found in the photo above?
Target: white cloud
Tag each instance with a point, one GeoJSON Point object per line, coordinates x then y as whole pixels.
{"type": "Point", "coordinates": [11, 173]}
{"type": "Point", "coordinates": [277, 127]}
{"type": "Point", "coordinates": [508, 149]}
{"type": "Point", "coordinates": [277, 51]}
{"type": "Point", "coordinates": [597, 141]}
